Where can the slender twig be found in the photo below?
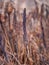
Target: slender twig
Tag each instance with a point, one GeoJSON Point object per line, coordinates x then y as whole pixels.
{"type": "Point", "coordinates": [14, 58]}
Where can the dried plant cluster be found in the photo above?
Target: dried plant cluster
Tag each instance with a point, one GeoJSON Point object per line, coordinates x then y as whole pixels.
{"type": "Point", "coordinates": [24, 38]}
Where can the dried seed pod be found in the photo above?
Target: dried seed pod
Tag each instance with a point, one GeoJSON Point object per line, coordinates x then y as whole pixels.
{"type": "Point", "coordinates": [11, 27]}
{"type": "Point", "coordinates": [3, 18]}
{"type": "Point", "coordinates": [9, 8]}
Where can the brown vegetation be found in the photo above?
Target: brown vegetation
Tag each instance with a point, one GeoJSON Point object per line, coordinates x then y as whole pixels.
{"type": "Point", "coordinates": [24, 39]}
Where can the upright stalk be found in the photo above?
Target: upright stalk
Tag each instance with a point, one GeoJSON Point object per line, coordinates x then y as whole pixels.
{"type": "Point", "coordinates": [6, 58]}
{"type": "Point", "coordinates": [43, 36]}
{"type": "Point", "coordinates": [24, 25]}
